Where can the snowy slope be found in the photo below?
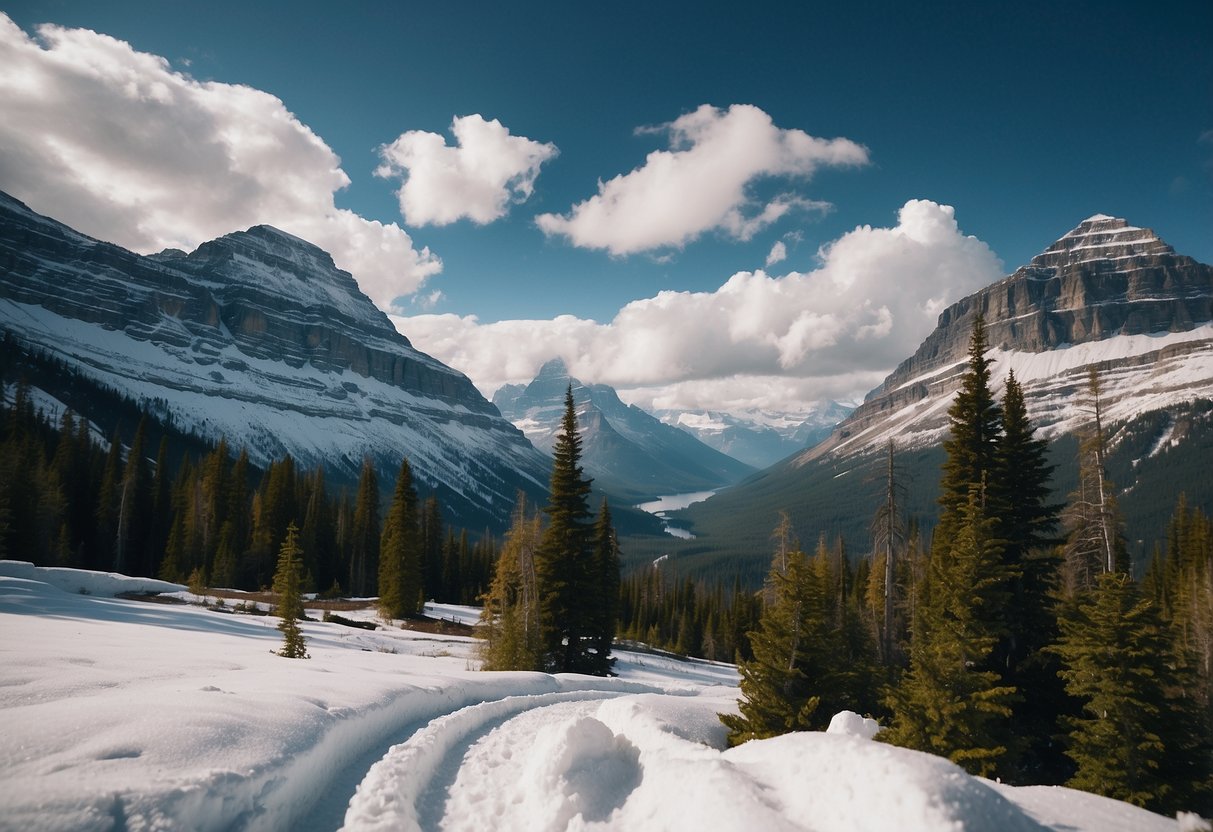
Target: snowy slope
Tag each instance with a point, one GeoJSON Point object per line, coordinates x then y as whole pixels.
{"type": "Point", "coordinates": [259, 338]}
{"type": "Point", "coordinates": [625, 449]}
{"type": "Point", "coordinates": [120, 714]}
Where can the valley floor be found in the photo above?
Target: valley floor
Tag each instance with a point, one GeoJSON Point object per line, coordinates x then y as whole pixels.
{"type": "Point", "coordinates": [125, 715]}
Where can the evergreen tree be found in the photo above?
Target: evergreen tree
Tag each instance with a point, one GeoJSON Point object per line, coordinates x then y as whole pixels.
{"type": "Point", "coordinates": [134, 508]}
{"type": "Point", "coordinates": [431, 547]}
{"type": "Point", "coordinates": [1027, 522]}
{"type": "Point", "coordinates": [1132, 731]}
{"type": "Point", "coordinates": [563, 562]}
{"type": "Point", "coordinates": [778, 691]}
{"type": "Point", "coordinates": [290, 602]}
{"type": "Point", "coordinates": [400, 552]}
{"type": "Point", "coordinates": [950, 703]}
{"type": "Point", "coordinates": [364, 542]}
{"type": "Point", "coordinates": [975, 421]}
{"type": "Point", "coordinates": [605, 593]}
{"type": "Point", "coordinates": [511, 606]}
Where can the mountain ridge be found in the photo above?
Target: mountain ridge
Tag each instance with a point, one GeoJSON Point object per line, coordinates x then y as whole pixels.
{"type": "Point", "coordinates": [258, 337]}
{"type": "Point", "coordinates": [624, 448]}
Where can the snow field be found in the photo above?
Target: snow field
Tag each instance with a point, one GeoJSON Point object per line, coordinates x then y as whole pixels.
{"type": "Point", "coordinates": [123, 715]}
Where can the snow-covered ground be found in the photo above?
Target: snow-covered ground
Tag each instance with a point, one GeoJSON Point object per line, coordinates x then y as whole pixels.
{"type": "Point", "coordinates": [126, 715]}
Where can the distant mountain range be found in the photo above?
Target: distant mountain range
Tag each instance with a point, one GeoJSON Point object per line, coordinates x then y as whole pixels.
{"type": "Point", "coordinates": [755, 437]}
{"type": "Point", "coordinates": [1106, 295]}
{"type": "Point", "coordinates": [628, 451]}
{"type": "Point", "coordinates": [257, 337]}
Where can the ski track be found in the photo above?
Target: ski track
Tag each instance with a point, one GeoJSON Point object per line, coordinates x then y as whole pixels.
{"type": "Point", "coordinates": [422, 771]}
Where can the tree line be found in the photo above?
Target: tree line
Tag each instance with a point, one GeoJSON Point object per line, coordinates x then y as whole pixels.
{"type": "Point", "coordinates": [1015, 640]}
{"type": "Point", "coordinates": [69, 499]}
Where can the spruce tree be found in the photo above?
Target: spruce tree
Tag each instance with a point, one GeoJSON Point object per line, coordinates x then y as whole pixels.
{"type": "Point", "coordinates": [400, 551]}
{"type": "Point", "coordinates": [290, 603]}
{"type": "Point", "coordinates": [563, 562]}
{"type": "Point", "coordinates": [605, 593]}
{"type": "Point", "coordinates": [975, 421]}
{"type": "Point", "coordinates": [364, 541]}
{"type": "Point", "coordinates": [1114, 653]}
{"type": "Point", "coordinates": [950, 702]}
{"type": "Point", "coordinates": [1026, 524]}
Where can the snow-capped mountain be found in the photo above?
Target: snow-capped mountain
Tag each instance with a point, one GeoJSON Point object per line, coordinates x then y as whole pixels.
{"type": "Point", "coordinates": [755, 437]}
{"type": "Point", "coordinates": [627, 450]}
{"type": "Point", "coordinates": [258, 337]}
{"type": "Point", "coordinates": [1106, 295]}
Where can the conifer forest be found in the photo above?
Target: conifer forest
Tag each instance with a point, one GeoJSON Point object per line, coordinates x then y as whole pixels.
{"type": "Point", "coordinates": [1013, 636]}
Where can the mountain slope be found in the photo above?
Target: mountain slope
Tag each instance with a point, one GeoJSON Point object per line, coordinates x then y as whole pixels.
{"type": "Point", "coordinates": [1106, 295]}
{"type": "Point", "coordinates": [756, 438]}
{"type": "Point", "coordinates": [258, 337]}
{"type": "Point", "coordinates": [627, 451]}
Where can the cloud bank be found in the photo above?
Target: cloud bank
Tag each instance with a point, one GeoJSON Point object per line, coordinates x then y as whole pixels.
{"type": "Point", "coordinates": [701, 183]}
{"type": "Point", "coordinates": [477, 179]}
{"type": "Point", "coordinates": [117, 144]}
{"type": "Point", "coordinates": [774, 342]}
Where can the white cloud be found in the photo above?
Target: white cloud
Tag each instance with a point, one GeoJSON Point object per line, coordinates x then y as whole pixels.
{"type": "Point", "coordinates": [477, 179]}
{"type": "Point", "coordinates": [115, 143]}
{"type": "Point", "coordinates": [779, 253]}
{"type": "Point", "coordinates": [701, 183]}
{"type": "Point", "coordinates": [757, 340]}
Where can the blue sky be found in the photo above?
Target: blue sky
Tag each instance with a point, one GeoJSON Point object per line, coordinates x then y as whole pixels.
{"type": "Point", "coordinates": [1025, 119]}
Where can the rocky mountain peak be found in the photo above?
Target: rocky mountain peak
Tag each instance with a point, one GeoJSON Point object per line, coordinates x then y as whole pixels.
{"type": "Point", "coordinates": [1101, 239]}
{"type": "Point", "coordinates": [553, 369]}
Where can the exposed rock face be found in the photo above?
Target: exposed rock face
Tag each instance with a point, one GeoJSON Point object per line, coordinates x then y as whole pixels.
{"type": "Point", "coordinates": [627, 450]}
{"type": "Point", "coordinates": [259, 337]}
{"type": "Point", "coordinates": [1105, 294]}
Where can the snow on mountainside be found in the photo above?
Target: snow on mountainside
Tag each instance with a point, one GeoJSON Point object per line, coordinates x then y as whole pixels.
{"type": "Point", "coordinates": [627, 450]}
{"type": "Point", "coordinates": [1106, 295]}
{"type": "Point", "coordinates": [120, 714]}
{"type": "Point", "coordinates": [757, 438]}
{"type": "Point", "coordinates": [258, 337]}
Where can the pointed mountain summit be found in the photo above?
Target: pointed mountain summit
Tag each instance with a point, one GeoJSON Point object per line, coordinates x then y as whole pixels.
{"type": "Point", "coordinates": [626, 450]}
{"type": "Point", "coordinates": [259, 338]}
{"type": "Point", "coordinates": [1106, 295]}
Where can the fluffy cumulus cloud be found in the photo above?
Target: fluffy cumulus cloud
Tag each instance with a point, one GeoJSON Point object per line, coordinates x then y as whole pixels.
{"type": "Point", "coordinates": [477, 179]}
{"type": "Point", "coordinates": [702, 183]}
{"type": "Point", "coordinates": [116, 143]}
{"type": "Point", "coordinates": [779, 253]}
{"type": "Point", "coordinates": [774, 342]}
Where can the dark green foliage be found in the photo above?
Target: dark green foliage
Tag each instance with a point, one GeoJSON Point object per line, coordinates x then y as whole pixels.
{"type": "Point", "coordinates": [1027, 526]}
{"type": "Point", "coordinates": [364, 539]}
{"type": "Point", "coordinates": [604, 586]}
{"type": "Point", "coordinates": [950, 702]}
{"type": "Point", "coordinates": [290, 602]}
{"type": "Point", "coordinates": [564, 561]}
{"type": "Point", "coordinates": [654, 606]}
{"type": "Point", "coordinates": [811, 656]}
{"type": "Point", "coordinates": [1114, 652]}
{"type": "Point", "coordinates": [400, 552]}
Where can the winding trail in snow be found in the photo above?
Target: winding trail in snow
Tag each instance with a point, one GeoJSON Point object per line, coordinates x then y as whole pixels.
{"type": "Point", "coordinates": [408, 788]}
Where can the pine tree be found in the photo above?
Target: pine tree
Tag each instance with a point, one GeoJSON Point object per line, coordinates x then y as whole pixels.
{"type": "Point", "coordinates": [950, 703]}
{"type": "Point", "coordinates": [778, 691]}
{"type": "Point", "coordinates": [400, 552]}
{"type": "Point", "coordinates": [511, 606]}
{"type": "Point", "coordinates": [1026, 523]}
{"type": "Point", "coordinates": [1114, 652]}
{"type": "Point", "coordinates": [563, 562]}
{"type": "Point", "coordinates": [605, 593]}
{"type": "Point", "coordinates": [888, 540]}
{"type": "Point", "coordinates": [431, 547]}
{"type": "Point", "coordinates": [364, 541]}
{"type": "Point", "coordinates": [290, 603]}
{"type": "Point", "coordinates": [975, 421]}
